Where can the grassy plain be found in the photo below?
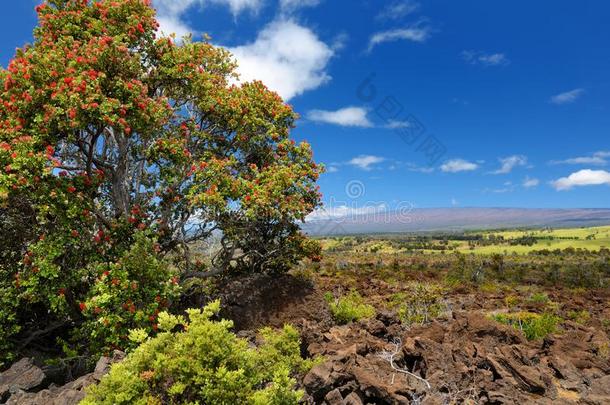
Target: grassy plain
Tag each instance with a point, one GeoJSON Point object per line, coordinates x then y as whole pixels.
{"type": "Point", "coordinates": [478, 242]}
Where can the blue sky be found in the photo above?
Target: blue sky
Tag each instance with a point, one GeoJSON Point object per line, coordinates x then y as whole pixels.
{"type": "Point", "coordinates": [431, 103]}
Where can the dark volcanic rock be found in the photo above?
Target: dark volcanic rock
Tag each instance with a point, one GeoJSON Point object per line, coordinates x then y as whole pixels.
{"type": "Point", "coordinates": [26, 379]}
{"type": "Point", "coordinates": [22, 376]}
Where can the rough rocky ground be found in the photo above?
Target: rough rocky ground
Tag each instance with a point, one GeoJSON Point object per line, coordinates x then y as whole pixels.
{"type": "Point", "coordinates": [462, 357]}
{"type": "Point", "coordinates": [26, 383]}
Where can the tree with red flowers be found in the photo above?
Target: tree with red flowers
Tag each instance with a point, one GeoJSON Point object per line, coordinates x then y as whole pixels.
{"type": "Point", "coordinates": [119, 150]}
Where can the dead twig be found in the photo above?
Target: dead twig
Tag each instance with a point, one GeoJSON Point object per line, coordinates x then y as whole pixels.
{"type": "Point", "coordinates": [389, 357]}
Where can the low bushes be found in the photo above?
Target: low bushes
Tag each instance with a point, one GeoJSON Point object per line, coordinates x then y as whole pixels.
{"type": "Point", "coordinates": [349, 308]}
{"type": "Point", "coordinates": [204, 363]}
{"type": "Point", "coordinates": [419, 304]}
{"type": "Point", "coordinates": [534, 326]}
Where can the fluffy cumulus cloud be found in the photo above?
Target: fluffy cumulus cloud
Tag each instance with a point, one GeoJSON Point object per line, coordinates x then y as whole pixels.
{"type": "Point", "coordinates": [567, 97]}
{"type": "Point", "coordinates": [507, 164]}
{"type": "Point", "coordinates": [365, 162]}
{"type": "Point", "coordinates": [418, 32]}
{"type": "Point", "coordinates": [345, 117]}
{"type": "Point", "coordinates": [485, 59]}
{"type": "Point", "coordinates": [289, 58]}
{"type": "Point", "coordinates": [170, 13]}
{"type": "Point", "coordinates": [597, 159]}
{"type": "Point", "coordinates": [586, 177]}
{"type": "Point", "coordinates": [458, 165]}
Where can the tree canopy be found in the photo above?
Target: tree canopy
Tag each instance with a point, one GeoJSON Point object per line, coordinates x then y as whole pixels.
{"type": "Point", "coordinates": [120, 149]}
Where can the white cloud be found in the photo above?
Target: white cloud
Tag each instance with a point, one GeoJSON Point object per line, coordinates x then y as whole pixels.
{"type": "Point", "coordinates": [292, 5]}
{"type": "Point", "coordinates": [395, 124]}
{"type": "Point", "coordinates": [567, 97]}
{"type": "Point", "coordinates": [345, 117]}
{"type": "Point", "coordinates": [365, 162]}
{"type": "Point", "coordinates": [598, 159]}
{"type": "Point", "coordinates": [398, 9]}
{"type": "Point", "coordinates": [509, 163]}
{"type": "Point", "coordinates": [415, 33]}
{"type": "Point", "coordinates": [412, 167]}
{"type": "Point", "coordinates": [529, 183]}
{"type": "Point", "coordinates": [493, 59]}
{"type": "Point", "coordinates": [332, 169]}
{"type": "Point", "coordinates": [458, 165]}
{"type": "Point", "coordinates": [287, 57]}
{"type": "Point", "coordinates": [586, 177]}
{"type": "Point", "coordinates": [237, 6]}
{"type": "Point", "coordinates": [345, 211]}
{"type": "Point", "coordinates": [485, 59]}
{"type": "Point", "coordinates": [170, 13]}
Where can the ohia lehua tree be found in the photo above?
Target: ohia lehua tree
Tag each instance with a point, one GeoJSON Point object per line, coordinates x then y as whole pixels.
{"type": "Point", "coordinates": [119, 149]}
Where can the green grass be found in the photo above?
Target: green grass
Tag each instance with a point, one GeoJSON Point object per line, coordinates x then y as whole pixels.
{"type": "Point", "coordinates": [579, 241]}
{"type": "Point", "coordinates": [587, 238]}
{"type": "Point", "coordinates": [533, 326]}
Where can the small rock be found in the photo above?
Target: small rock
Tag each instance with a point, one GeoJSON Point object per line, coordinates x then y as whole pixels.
{"type": "Point", "coordinates": [23, 375]}
{"type": "Point", "coordinates": [102, 367]}
{"type": "Point", "coordinates": [388, 317]}
{"type": "Point", "coordinates": [375, 327]}
{"type": "Point", "coordinates": [353, 399]}
{"type": "Point", "coordinates": [318, 381]}
{"type": "Point", "coordinates": [334, 398]}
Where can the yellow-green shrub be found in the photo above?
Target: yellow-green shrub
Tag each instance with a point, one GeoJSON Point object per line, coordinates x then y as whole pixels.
{"type": "Point", "coordinates": [349, 308]}
{"type": "Point", "coordinates": [206, 364]}
{"type": "Point", "coordinates": [419, 303]}
{"type": "Point", "coordinates": [534, 326]}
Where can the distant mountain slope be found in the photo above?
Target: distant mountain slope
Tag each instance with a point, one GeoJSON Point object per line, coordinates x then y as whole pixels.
{"type": "Point", "coordinates": [456, 219]}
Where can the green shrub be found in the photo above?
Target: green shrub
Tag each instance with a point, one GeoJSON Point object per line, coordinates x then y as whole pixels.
{"type": "Point", "coordinates": [349, 308]}
{"type": "Point", "coordinates": [8, 321]}
{"type": "Point", "coordinates": [205, 363]}
{"type": "Point", "coordinates": [512, 301]}
{"type": "Point", "coordinates": [127, 294]}
{"type": "Point", "coordinates": [534, 326]}
{"type": "Point", "coordinates": [419, 304]}
{"type": "Point", "coordinates": [539, 298]}
{"type": "Point", "coordinates": [581, 317]}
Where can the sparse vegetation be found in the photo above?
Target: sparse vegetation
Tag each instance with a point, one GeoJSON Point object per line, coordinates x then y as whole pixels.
{"type": "Point", "coordinates": [534, 326]}
{"type": "Point", "coordinates": [419, 303]}
{"type": "Point", "coordinates": [349, 308]}
{"type": "Point", "coordinates": [539, 298]}
{"type": "Point", "coordinates": [582, 317]}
